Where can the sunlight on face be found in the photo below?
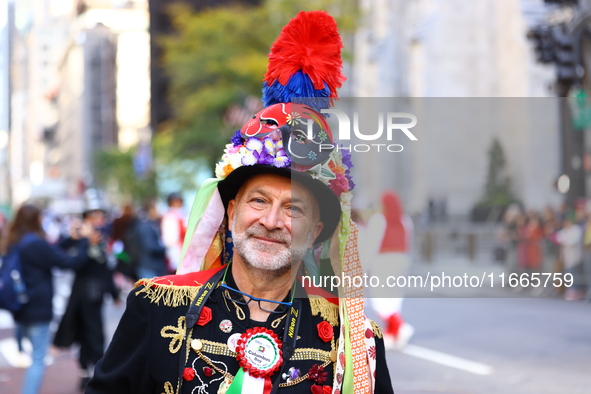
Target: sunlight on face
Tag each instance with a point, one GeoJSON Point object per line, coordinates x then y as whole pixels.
{"type": "Point", "coordinates": [274, 221]}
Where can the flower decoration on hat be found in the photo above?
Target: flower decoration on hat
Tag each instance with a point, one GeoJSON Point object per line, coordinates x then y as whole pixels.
{"type": "Point", "coordinates": [303, 75]}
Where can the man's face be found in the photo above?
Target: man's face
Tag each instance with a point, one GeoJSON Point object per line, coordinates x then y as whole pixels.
{"type": "Point", "coordinates": [97, 219]}
{"type": "Point", "coordinates": [274, 221]}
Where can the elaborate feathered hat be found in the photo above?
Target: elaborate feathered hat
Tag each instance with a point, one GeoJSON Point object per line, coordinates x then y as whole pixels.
{"type": "Point", "coordinates": [290, 137]}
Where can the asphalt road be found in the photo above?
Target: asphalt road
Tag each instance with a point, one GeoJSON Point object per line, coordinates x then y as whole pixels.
{"type": "Point", "coordinates": [498, 345]}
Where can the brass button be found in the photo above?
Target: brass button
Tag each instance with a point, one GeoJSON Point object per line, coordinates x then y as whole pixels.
{"type": "Point", "coordinates": [197, 345]}
{"type": "Point", "coordinates": [333, 356]}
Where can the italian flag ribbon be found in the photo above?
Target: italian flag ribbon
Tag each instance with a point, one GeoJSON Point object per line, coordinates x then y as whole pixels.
{"type": "Point", "coordinates": [259, 355]}
{"type": "Point", "coordinates": [245, 383]}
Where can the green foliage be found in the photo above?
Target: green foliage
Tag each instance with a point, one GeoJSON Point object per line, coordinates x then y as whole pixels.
{"type": "Point", "coordinates": [216, 60]}
{"type": "Point", "coordinates": [497, 190]}
{"type": "Point", "coordinates": [114, 170]}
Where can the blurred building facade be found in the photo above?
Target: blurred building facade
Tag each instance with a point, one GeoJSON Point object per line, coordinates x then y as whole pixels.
{"type": "Point", "coordinates": [41, 33]}
{"type": "Point", "coordinates": [86, 105]}
{"type": "Point", "coordinates": [74, 91]}
{"type": "Point", "coordinates": [440, 52]}
{"type": "Point", "coordinates": [6, 23]}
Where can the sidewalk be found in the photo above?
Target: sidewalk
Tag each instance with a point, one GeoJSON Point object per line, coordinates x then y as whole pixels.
{"type": "Point", "coordinates": [61, 377]}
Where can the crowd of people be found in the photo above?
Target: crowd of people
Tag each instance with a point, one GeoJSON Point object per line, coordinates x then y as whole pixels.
{"type": "Point", "coordinates": [549, 241]}
{"type": "Point", "coordinates": [107, 252]}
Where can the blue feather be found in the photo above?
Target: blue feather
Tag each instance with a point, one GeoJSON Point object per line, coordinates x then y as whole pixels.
{"type": "Point", "coordinates": [299, 89]}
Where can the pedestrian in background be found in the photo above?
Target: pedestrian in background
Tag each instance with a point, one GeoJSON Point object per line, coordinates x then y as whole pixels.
{"type": "Point", "coordinates": [388, 239]}
{"type": "Point", "coordinates": [121, 234]}
{"type": "Point", "coordinates": [38, 257]}
{"type": "Point", "coordinates": [152, 261]}
{"type": "Point", "coordinates": [174, 227]}
{"type": "Point", "coordinates": [570, 239]}
{"type": "Point", "coordinates": [82, 322]}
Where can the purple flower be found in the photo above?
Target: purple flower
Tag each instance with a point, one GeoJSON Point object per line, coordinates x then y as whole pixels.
{"type": "Point", "coordinates": [281, 159]}
{"type": "Point", "coordinates": [237, 139]}
{"type": "Point", "coordinates": [348, 165]}
{"type": "Point", "coordinates": [263, 157]}
{"type": "Point", "coordinates": [254, 144]}
{"type": "Point", "coordinates": [347, 160]}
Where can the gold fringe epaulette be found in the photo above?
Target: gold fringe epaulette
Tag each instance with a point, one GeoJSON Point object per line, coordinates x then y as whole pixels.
{"type": "Point", "coordinates": [169, 294]}
{"type": "Point", "coordinates": [326, 309]}
{"type": "Point", "coordinates": [377, 331]}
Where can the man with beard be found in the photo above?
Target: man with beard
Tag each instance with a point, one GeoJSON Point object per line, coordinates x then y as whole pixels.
{"type": "Point", "coordinates": [236, 319]}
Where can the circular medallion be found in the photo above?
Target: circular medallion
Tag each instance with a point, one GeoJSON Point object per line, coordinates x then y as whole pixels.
{"type": "Point", "coordinates": [233, 341]}
{"type": "Point", "coordinates": [226, 326]}
{"type": "Point", "coordinates": [259, 352]}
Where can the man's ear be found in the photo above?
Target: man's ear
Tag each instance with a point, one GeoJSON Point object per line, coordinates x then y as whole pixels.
{"type": "Point", "coordinates": [317, 229]}
{"type": "Point", "coordinates": [231, 210]}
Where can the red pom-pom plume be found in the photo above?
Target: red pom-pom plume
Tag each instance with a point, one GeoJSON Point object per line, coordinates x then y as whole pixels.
{"type": "Point", "coordinates": [310, 42]}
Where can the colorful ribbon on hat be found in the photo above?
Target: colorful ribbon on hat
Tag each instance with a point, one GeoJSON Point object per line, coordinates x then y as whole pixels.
{"type": "Point", "coordinates": [203, 246]}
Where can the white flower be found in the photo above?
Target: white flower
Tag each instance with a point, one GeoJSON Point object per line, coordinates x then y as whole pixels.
{"type": "Point", "coordinates": [219, 169]}
{"type": "Point", "coordinates": [346, 199]}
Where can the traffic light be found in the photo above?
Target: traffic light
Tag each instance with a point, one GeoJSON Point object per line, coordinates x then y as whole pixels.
{"type": "Point", "coordinates": [566, 68]}
{"type": "Point", "coordinates": [561, 2]}
{"type": "Point", "coordinates": [543, 43]}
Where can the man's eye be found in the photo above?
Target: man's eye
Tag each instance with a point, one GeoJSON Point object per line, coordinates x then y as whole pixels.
{"type": "Point", "coordinates": [295, 211]}
{"type": "Point", "coordinates": [257, 203]}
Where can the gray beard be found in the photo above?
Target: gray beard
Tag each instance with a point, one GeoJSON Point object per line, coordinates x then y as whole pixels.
{"type": "Point", "coordinates": [279, 258]}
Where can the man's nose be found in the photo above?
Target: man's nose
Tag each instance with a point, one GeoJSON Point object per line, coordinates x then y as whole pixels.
{"type": "Point", "coordinates": [273, 218]}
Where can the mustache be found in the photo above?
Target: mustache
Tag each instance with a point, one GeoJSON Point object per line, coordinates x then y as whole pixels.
{"type": "Point", "coordinates": [275, 235]}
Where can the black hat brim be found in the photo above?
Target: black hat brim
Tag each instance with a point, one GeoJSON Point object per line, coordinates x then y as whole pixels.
{"type": "Point", "coordinates": [328, 202]}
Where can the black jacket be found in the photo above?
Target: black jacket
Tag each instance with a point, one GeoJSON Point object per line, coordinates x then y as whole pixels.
{"type": "Point", "coordinates": [37, 259]}
{"type": "Point", "coordinates": [145, 352]}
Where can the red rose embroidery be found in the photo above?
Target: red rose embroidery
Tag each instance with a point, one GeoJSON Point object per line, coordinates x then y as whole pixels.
{"type": "Point", "coordinates": [316, 389]}
{"type": "Point", "coordinates": [325, 331]}
{"type": "Point", "coordinates": [327, 389]}
{"type": "Point", "coordinates": [207, 371]}
{"type": "Point", "coordinates": [204, 317]}
{"type": "Point", "coordinates": [189, 374]}
{"type": "Point", "coordinates": [342, 359]}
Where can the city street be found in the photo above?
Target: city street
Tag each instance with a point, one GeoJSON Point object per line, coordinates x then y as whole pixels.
{"type": "Point", "coordinates": [500, 345]}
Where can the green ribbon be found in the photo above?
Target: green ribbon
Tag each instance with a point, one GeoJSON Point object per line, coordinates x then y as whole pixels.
{"type": "Point", "coordinates": [236, 386]}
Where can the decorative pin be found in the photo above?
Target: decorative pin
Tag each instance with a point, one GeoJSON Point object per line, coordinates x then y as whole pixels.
{"type": "Point", "coordinates": [233, 340]}
{"type": "Point", "coordinates": [226, 326]}
{"type": "Point", "coordinates": [292, 374]}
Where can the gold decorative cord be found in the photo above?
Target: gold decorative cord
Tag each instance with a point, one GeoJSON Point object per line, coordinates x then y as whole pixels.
{"type": "Point", "coordinates": [176, 333]}
{"type": "Point", "coordinates": [168, 389]}
{"type": "Point", "coordinates": [211, 364]}
{"type": "Point", "coordinates": [275, 323]}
